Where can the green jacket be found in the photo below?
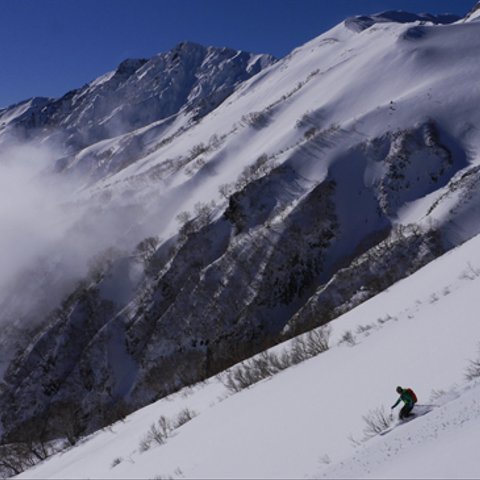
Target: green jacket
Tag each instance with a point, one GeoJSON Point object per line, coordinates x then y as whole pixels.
{"type": "Point", "coordinates": [406, 398]}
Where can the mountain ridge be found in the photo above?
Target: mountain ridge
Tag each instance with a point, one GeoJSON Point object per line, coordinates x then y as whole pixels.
{"type": "Point", "coordinates": [193, 69]}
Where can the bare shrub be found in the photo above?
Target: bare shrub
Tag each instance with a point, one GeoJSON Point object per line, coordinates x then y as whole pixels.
{"type": "Point", "coordinates": [187, 225]}
{"type": "Point", "coordinates": [470, 273]}
{"type": "Point", "coordinates": [35, 446]}
{"type": "Point", "coordinates": [298, 353]}
{"type": "Point", "coordinates": [164, 428]}
{"type": "Point", "coordinates": [13, 460]}
{"type": "Point", "coordinates": [17, 457]}
{"type": "Point", "coordinates": [310, 345]}
{"type": "Point", "coordinates": [158, 432]}
{"type": "Point", "coordinates": [256, 120]}
{"type": "Point", "coordinates": [433, 298]}
{"type": "Point", "coordinates": [252, 371]}
{"type": "Point", "coordinates": [318, 340]}
{"type": "Point", "coordinates": [183, 417]}
{"type": "Point", "coordinates": [145, 443]}
{"type": "Point", "coordinates": [377, 420]}
{"type": "Point", "coordinates": [305, 120]}
{"type": "Point", "coordinates": [260, 167]}
{"type": "Point", "coordinates": [348, 338]}
{"type": "Point", "coordinates": [226, 189]}
{"type": "Point", "coordinates": [67, 418]}
{"type": "Point", "coordinates": [178, 473]}
{"type": "Point", "coordinates": [473, 369]}
{"type": "Point", "coordinates": [183, 218]}
{"type": "Point", "coordinates": [203, 214]}
{"type": "Point", "coordinates": [197, 150]}
{"type": "Point", "coordinates": [238, 378]}
{"type": "Point", "coordinates": [310, 133]}
{"type": "Point", "coordinates": [385, 319]}
{"type": "Point", "coordinates": [116, 461]}
{"type": "Point", "coordinates": [146, 248]}
{"type": "Point", "coordinates": [354, 441]}
{"type": "Point", "coordinates": [365, 329]}
{"type": "Point", "coordinates": [195, 167]}
{"type": "Point", "coordinates": [267, 363]}
{"type": "Point", "coordinates": [263, 165]}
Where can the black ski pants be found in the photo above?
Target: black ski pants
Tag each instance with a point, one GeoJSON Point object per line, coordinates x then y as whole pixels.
{"type": "Point", "coordinates": [405, 411]}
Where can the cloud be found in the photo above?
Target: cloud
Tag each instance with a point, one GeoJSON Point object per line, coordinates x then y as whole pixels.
{"type": "Point", "coordinates": [32, 217]}
{"type": "Point", "coordinates": [51, 228]}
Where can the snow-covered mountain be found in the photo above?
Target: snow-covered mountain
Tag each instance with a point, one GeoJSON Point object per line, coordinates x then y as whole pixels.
{"type": "Point", "coordinates": [231, 202]}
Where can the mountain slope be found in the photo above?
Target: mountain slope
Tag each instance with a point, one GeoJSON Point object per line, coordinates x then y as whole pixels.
{"type": "Point", "coordinates": [422, 332]}
{"type": "Point", "coordinates": [318, 183]}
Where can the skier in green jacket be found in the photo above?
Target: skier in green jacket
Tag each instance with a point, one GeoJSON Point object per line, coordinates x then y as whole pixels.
{"type": "Point", "coordinates": [408, 398]}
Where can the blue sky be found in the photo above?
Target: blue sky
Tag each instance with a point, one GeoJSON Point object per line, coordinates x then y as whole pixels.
{"type": "Point", "coordinates": [48, 47]}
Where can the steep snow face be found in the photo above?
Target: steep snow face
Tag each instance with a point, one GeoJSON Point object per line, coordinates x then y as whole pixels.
{"type": "Point", "coordinates": [300, 423]}
{"type": "Point", "coordinates": [269, 215]}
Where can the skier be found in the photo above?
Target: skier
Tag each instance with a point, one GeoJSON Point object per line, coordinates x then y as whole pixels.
{"type": "Point", "coordinates": [408, 397]}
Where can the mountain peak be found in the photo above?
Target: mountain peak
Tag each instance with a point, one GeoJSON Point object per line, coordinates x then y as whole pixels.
{"type": "Point", "coordinates": [188, 45]}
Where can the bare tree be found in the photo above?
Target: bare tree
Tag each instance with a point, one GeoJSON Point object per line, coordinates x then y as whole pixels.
{"type": "Point", "coordinates": [377, 420]}
{"type": "Point", "coordinates": [473, 369]}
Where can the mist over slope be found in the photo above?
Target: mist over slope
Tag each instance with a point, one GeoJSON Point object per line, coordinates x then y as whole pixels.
{"type": "Point", "coordinates": [220, 219]}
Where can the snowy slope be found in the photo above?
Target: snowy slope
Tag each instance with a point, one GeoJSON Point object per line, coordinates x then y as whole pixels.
{"type": "Point", "coordinates": [312, 165]}
{"type": "Point", "coordinates": [424, 330]}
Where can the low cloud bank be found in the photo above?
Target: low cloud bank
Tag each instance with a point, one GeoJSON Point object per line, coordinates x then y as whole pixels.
{"type": "Point", "coordinates": [49, 234]}
{"type": "Point", "coordinates": [32, 215]}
